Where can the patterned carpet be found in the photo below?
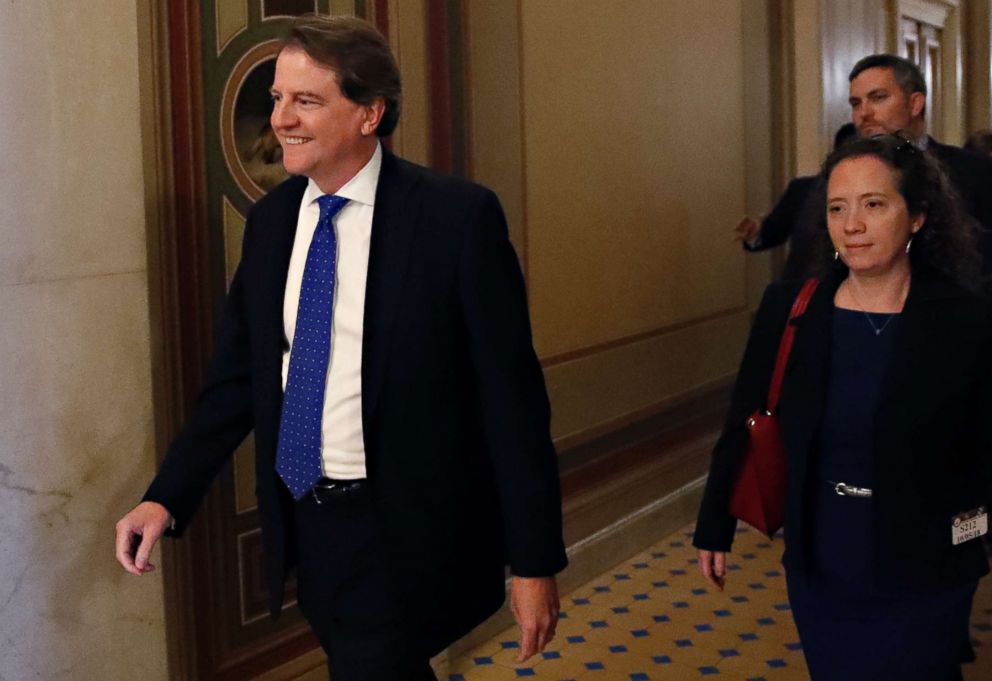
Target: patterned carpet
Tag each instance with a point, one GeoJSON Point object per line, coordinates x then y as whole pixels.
{"type": "Point", "coordinates": [651, 617]}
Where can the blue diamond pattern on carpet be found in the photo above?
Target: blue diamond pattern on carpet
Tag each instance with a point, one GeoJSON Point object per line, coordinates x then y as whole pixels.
{"type": "Point", "coordinates": [621, 627]}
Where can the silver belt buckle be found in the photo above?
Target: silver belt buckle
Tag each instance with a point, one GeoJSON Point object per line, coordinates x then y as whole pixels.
{"type": "Point", "coordinates": [845, 490]}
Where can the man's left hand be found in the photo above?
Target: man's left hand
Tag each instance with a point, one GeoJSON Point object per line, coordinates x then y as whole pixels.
{"type": "Point", "coordinates": [534, 603]}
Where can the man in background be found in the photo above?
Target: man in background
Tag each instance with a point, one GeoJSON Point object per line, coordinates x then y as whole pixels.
{"type": "Point", "coordinates": [888, 94]}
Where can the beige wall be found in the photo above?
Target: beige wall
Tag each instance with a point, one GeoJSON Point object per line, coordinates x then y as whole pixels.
{"type": "Point", "coordinates": [620, 151]}
{"type": "Point", "coordinates": [75, 409]}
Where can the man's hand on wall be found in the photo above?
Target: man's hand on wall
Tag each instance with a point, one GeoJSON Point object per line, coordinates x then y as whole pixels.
{"type": "Point", "coordinates": [747, 229]}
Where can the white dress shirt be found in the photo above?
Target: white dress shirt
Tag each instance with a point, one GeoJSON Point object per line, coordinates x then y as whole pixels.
{"type": "Point", "coordinates": [342, 439]}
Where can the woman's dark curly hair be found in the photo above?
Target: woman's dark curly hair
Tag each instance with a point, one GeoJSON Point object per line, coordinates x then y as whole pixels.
{"type": "Point", "coordinates": [948, 240]}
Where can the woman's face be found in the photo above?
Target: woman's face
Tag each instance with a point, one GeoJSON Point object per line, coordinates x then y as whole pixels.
{"type": "Point", "coordinates": [867, 218]}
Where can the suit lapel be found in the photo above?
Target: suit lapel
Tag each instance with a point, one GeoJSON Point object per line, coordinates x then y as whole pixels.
{"type": "Point", "coordinates": [393, 225]}
{"type": "Point", "coordinates": [281, 233]}
{"type": "Point", "coordinates": [915, 337]}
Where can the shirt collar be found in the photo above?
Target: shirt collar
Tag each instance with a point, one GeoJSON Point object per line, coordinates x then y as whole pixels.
{"type": "Point", "coordinates": [360, 188]}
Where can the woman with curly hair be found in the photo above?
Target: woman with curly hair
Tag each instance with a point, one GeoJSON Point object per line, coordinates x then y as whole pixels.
{"type": "Point", "coordinates": [886, 417]}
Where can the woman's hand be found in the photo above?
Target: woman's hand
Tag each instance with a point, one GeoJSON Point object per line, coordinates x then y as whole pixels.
{"type": "Point", "coordinates": [713, 565]}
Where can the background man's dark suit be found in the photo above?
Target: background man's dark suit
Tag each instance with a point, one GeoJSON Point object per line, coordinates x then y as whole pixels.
{"type": "Point", "coordinates": [933, 431]}
{"type": "Point", "coordinates": [794, 218]}
{"type": "Point", "coordinates": [462, 471]}
{"type": "Point", "coordinates": [971, 175]}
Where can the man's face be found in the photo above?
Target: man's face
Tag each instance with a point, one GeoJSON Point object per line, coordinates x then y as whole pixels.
{"type": "Point", "coordinates": [879, 105]}
{"type": "Point", "coordinates": [323, 133]}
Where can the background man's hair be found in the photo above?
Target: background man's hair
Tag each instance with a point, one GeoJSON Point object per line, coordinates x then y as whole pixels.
{"type": "Point", "coordinates": [907, 74]}
{"type": "Point", "coordinates": [358, 54]}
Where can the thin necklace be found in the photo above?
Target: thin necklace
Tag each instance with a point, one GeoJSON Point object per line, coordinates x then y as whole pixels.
{"type": "Point", "coordinates": [877, 329]}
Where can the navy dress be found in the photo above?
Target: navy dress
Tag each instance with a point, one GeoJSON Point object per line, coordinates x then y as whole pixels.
{"type": "Point", "coordinates": [850, 626]}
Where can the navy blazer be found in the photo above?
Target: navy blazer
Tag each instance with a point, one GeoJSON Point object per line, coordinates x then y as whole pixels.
{"type": "Point", "coordinates": [971, 174]}
{"type": "Point", "coordinates": [794, 218]}
{"type": "Point", "coordinates": [933, 430]}
{"type": "Point", "coordinates": [456, 418]}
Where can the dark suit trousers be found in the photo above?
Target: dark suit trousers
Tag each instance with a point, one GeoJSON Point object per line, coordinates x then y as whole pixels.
{"type": "Point", "coordinates": [344, 595]}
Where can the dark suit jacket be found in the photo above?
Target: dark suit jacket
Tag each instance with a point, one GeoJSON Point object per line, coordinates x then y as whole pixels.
{"type": "Point", "coordinates": [456, 418]}
{"type": "Point", "coordinates": [933, 439]}
{"type": "Point", "coordinates": [971, 175]}
{"type": "Point", "coordinates": [795, 218]}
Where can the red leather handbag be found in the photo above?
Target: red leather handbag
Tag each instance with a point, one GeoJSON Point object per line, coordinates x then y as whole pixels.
{"type": "Point", "coordinates": [759, 489]}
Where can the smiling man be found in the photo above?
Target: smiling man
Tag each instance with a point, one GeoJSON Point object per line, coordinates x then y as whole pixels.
{"type": "Point", "coordinates": [376, 339]}
{"type": "Point", "coordinates": [888, 94]}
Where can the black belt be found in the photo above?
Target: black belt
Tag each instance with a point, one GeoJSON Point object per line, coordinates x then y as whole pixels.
{"type": "Point", "coordinates": [327, 490]}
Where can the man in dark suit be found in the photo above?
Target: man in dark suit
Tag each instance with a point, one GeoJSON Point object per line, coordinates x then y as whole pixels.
{"type": "Point", "coordinates": [889, 94]}
{"type": "Point", "coordinates": [376, 339]}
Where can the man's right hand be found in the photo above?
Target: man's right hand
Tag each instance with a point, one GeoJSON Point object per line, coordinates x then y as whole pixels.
{"type": "Point", "coordinates": [747, 229]}
{"type": "Point", "coordinates": [137, 534]}
{"type": "Point", "coordinates": [713, 565]}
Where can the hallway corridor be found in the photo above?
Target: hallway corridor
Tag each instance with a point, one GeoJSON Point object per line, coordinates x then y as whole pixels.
{"type": "Point", "coordinates": [651, 617]}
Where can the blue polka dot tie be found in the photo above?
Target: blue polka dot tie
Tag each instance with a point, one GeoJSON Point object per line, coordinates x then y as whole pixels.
{"type": "Point", "coordinates": [298, 453]}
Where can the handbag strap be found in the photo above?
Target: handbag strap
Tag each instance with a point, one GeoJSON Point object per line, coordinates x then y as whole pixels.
{"type": "Point", "coordinates": [785, 346]}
